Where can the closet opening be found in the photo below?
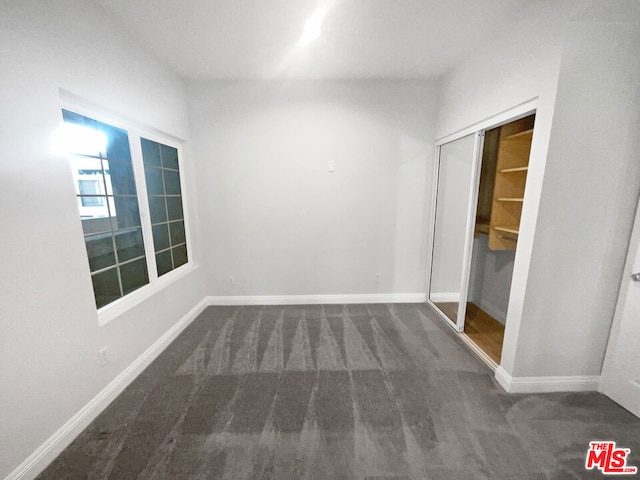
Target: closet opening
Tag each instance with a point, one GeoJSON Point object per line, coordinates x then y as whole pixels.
{"type": "Point", "coordinates": [479, 198]}
{"type": "Point", "coordinates": [503, 174]}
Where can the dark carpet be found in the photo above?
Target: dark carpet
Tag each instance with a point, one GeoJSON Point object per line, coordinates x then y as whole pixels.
{"type": "Point", "coordinates": [333, 391]}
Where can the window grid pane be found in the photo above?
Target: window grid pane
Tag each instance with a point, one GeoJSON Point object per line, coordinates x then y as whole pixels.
{"type": "Point", "coordinates": [165, 204]}
{"type": "Point", "coordinates": [108, 204]}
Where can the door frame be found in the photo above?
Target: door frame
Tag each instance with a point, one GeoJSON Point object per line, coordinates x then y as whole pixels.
{"type": "Point", "coordinates": [515, 113]}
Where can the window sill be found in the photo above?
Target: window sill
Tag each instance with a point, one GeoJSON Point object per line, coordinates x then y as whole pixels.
{"type": "Point", "coordinates": [126, 303]}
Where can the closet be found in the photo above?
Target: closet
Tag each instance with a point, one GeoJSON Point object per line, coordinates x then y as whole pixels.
{"type": "Point", "coordinates": [479, 194]}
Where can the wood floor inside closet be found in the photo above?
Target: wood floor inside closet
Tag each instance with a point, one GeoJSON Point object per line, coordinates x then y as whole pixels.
{"type": "Point", "coordinates": [484, 330]}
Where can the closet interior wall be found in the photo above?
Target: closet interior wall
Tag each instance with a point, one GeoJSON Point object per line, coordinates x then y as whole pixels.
{"type": "Point", "coordinates": [505, 159]}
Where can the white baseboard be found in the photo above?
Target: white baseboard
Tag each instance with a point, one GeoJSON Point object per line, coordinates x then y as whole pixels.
{"type": "Point", "coordinates": [317, 299]}
{"type": "Point", "coordinates": [578, 383]}
{"type": "Point", "coordinates": [52, 447]}
{"type": "Point", "coordinates": [445, 297]}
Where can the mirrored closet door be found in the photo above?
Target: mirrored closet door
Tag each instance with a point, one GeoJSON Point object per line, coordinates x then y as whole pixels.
{"type": "Point", "coordinates": [454, 200]}
{"type": "Point", "coordinates": [479, 195]}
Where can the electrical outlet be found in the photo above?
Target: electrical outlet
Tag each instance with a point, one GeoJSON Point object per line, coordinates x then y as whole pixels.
{"type": "Point", "coordinates": [231, 281]}
{"type": "Point", "coordinates": [377, 278]}
{"type": "Point", "coordinates": [103, 356]}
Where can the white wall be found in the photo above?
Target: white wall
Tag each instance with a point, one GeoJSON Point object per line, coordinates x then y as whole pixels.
{"type": "Point", "coordinates": [589, 196]}
{"type": "Point", "coordinates": [50, 334]}
{"type": "Point", "coordinates": [518, 65]}
{"type": "Point", "coordinates": [276, 220]}
{"type": "Point", "coordinates": [577, 211]}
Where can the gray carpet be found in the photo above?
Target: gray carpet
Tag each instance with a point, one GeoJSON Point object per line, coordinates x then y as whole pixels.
{"type": "Point", "coordinates": [354, 391]}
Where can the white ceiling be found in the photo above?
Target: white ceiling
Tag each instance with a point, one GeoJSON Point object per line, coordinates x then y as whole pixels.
{"type": "Point", "coordinates": [248, 39]}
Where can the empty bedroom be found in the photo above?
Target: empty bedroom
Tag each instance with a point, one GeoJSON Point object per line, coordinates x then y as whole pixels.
{"type": "Point", "coordinates": [319, 239]}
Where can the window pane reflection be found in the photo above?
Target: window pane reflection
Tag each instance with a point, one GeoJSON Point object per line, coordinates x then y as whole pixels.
{"type": "Point", "coordinates": [162, 174]}
{"type": "Point", "coordinates": [102, 167]}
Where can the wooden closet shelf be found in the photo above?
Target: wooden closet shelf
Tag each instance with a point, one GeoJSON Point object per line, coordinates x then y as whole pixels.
{"type": "Point", "coordinates": [514, 148]}
{"type": "Point", "coordinates": [515, 230]}
{"type": "Point", "coordinates": [516, 169]}
{"type": "Point", "coordinates": [525, 135]}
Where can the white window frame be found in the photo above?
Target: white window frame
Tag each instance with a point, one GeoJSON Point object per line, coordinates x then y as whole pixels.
{"type": "Point", "coordinates": [136, 131]}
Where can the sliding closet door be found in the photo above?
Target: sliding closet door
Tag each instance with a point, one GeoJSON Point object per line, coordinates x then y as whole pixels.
{"type": "Point", "coordinates": [454, 212]}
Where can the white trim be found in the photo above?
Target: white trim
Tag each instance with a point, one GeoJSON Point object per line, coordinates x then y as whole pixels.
{"type": "Point", "coordinates": [445, 297]}
{"type": "Point", "coordinates": [54, 445]}
{"type": "Point", "coordinates": [507, 116]}
{"type": "Point", "coordinates": [474, 187]}
{"type": "Point", "coordinates": [130, 300]}
{"type": "Point", "coordinates": [432, 218]}
{"type": "Point", "coordinates": [578, 383]}
{"type": "Point", "coordinates": [317, 299]}
{"type": "Point", "coordinates": [102, 113]}
{"type": "Point", "coordinates": [137, 162]}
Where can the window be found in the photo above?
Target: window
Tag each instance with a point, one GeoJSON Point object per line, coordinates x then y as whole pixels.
{"type": "Point", "coordinates": [110, 202]}
{"type": "Point", "coordinates": [165, 204]}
